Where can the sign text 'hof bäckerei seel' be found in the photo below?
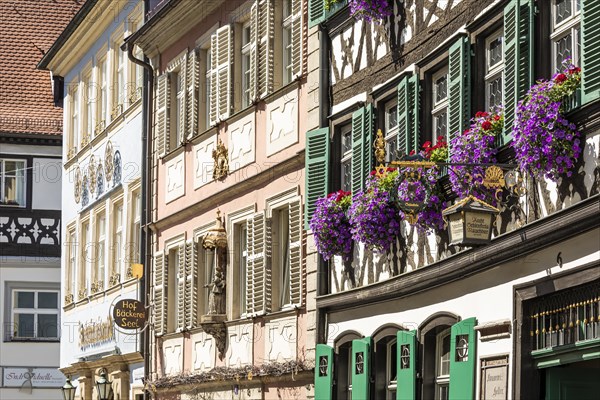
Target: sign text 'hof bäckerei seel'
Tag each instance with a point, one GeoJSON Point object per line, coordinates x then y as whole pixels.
{"type": "Point", "coordinates": [129, 314]}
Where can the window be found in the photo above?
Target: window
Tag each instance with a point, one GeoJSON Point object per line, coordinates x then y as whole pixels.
{"type": "Point", "coordinates": [86, 247]}
{"type": "Point", "coordinates": [136, 72]}
{"type": "Point", "coordinates": [74, 142]}
{"type": "Point", "coordinates": [247, 43]}
{"type": "Point", "coordinates": [136, 228]}
{"type": "Point", "coordinates": [178, 112]}
{"type": "Point", "coordinates": [346, 157]}
{"type": "Point", "coordinates": [89, 102]}
{"type": "Point", "coordinates": [117, 245]}
{"type": "Point", "coordinates": [34, 314]}
{"type": "Point", "coordinates": [119, 78]}
{"type": "Point", "coordinates": [102, 95]}
{"type": "Point", "coordinates": [439, 109]}
{"type": "Point", "coordinates": [494, 67]}
{"type": "Point", "coordinates": [288, 43]}
{"type": "Point", "coordinates": [391, 130]}
{"type": "Point", "coordinates": [442, 365]}
{"type": "Point", "coordinates": [281, 245]}
{"type": "Point", "coordinates": [12, 182]}
{"type": "Point", "coordinates": [344, 371]}
{"type": "Point", "coordinates": [71, 265]}
{"type": "Point", "coordinates": [206, 53]}
{"type": "Point", "coordinates": [242, 238]}
{"type": "Point", "coordinates": [98, 279]}
{"type": "Point", "coordinates": [385, 368]}
{"type": "Point", "coordinates": [209, 266]}
{"type": "Point", "coordinates": [566, 16]}
{"type": "Point", "coordinates": [173, 290]}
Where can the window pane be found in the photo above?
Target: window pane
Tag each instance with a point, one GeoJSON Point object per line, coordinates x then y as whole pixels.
{"type": "Point", "coordinates": [346, 175]}
{"type": "Point", "coordinates": [445, 356]}
{"type": "Point", "coordinates": [495, 51]}
{"type": "Point", "coordinates": [24, 325]}
{"type": "Point", "coordinates": [441, 88]}
{"type": "Point", "coordinates": [562, 10]}
{"type": "Point", "coordinates": [47, 300]}
{"type": "Point", "coordinates": [441, 124]}
{"type": "Point", "coordinates": [346, 142]}
{"type": "Point", "coordinates": [443, 393]}
{"type": "Point", "coordinates": [47, 326]}
{"type": "Point", "coordinates": [391, 147]}
{"type": "Point", "coordinates": [563, 50]}
{"type": "Point", "coordinates": [495, 92]}
{"type": "Point", "coordinates": [392, 117]}
{"type": "Point", "coordinates": [25, 300]}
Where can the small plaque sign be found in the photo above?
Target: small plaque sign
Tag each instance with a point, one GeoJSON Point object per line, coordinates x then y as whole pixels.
{"type": "Point", "coordinates": [478, 225]}
{"type": "Point", "coordinates": [129, 314]}
{"type": "Point", "coordinates": [494, 378]}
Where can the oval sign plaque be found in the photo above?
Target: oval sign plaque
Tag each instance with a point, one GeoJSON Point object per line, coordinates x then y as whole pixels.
{"type": "Point", "coordinates": [129, 314]}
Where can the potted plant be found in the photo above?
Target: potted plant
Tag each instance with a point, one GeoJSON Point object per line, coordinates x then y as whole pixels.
{"type": "Point", "coordinates": [331, 227]}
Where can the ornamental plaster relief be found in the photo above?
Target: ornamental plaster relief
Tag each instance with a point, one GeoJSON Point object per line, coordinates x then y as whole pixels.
{"type": "Point", "coordinates": [172, 356]}
{"type": "Point", "coordinates": [203, 161]}
{"type": "Point", "coordinates": [282, 122]}
{"type": "Point", "coordinates": [241, 141]}
{"type": "Point", "coordinates": [239, 345]}
{"type": "Point", "coordinates": [281, 340]}
{"type": "Point", "coordinates": [175, 182]}
{"type": "Point", "coordinates": [203, 352]}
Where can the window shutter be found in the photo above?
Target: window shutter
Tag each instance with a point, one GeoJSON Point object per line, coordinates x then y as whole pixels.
{"type": "Point", "coordinates": [463, 359]}
{"type": "Point", "coordinates": [181, 283]}
{"type": "Point", "coordinates": [367, 155]}
{"type": "Point", "coordinates": [160, 293]}
{"type": "Point", "coordinates": [518, 59]}
{"type": "Point", "coordinates": [182, 78]}
{"type": "Point", "coordinates": [258, 290]}
{"type": "Point", "coordinates": [253, 51]}
{"type": "Point", "coordinates": [162, 114]}
{"type": "Point", "coordinates": [590, 49]}
{"type": "Point", "coordinates": [361, 368]}
{"type": "Point", "coordinates": [459, 87]}
{"type": "Point", "coordinates": [224, 63]}
{"type": "Point", "coordinates": [297, 33]}
{"type": "Point", "coordinates": [406, 345]}
{"type": "Point", "coordinates": [317, 169]}
{"type": "Point", "coordinates": [408, 114]}
{"type": "Point", "coordinates": [324, 372]}
{"type": "Point", "coordinates": [213, 111]}
{"type": "Point", "coordinates": [266, 32]}
{"type": "Point", "coordinates": [295, 237]}
{"type": "Point", "coordinates": [362, 150]}
{"type": "Point", "coordinates": [191, 284]}
{"type": "Point", "coordinates": [193, 68]}
{"type": "Point", "coordinates": [316, 12]}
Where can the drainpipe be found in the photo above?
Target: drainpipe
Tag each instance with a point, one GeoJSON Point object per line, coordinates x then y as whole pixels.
{"type": "Point", "coordinates": [146, 160]}
{"type": "Point", "coordinates": [324, 106]}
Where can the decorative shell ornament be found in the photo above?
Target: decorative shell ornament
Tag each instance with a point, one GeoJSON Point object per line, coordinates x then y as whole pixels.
{"type": "Point", "coordinates": [78, 185]}
{"type": "Point", "coordinates": [92, 174]}
{"type": "Point", "coordinates": [109, 166]}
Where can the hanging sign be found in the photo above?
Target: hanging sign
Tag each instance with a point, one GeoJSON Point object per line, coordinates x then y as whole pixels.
{"type": "Point", "coordinates": [129, 314]}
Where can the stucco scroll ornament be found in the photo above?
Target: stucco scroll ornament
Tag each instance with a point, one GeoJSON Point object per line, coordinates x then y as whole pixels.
{"type": "Point", "coordinates": [221, 165]}
{"type": "Point", "coordinates": [92, 174]}
{"type": "Point", "coordinates": [78, 185]}
{"type": "Point", "coordinates": [109, 166]}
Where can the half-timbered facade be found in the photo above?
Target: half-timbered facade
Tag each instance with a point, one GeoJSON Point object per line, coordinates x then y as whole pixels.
{"type": "Point", "coordinates": [230, 315]}
{"type": "Point", "coordinates": [514, 318]}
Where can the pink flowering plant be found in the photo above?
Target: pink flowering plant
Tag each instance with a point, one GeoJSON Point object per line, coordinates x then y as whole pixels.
{"type": "Point", "coordinates": [546, 144]}
{"type": "Point", "coordinates": [370, 10]}
{"type": "Point", "coordinates": [331, 226]}
{"type": "Point", "coordinates": [374, 217]}
{"type": "Point", "coordinates": [476, 145]}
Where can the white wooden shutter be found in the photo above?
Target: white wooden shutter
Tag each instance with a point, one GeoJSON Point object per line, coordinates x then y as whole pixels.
{"type": "Point", "coordinates": [162, 114]}
{"type": "Point", "coordinates": [253, 51]}
{"type": "Point", "coordinates": [249, 265]}
{"type": "Point", "coordinates": [295, 246]}
{"type": "Point", "coordinates": [193, 68]}
{"type": "Point", "coordinates": [258, 284]}
{"type": "Point", "coordinates": [191, 284]}
{"type": "Point", "coordinates": [182, 78]}
{"type": "Point", "coordinates": [224, 60]}
{"type": "Point", "coordinates": [160, 293]}
{"type": "Point", "coordinates": [181, 281]}
{"type": "Point", "coordinates": [297, 33]}
{"type": "Point", "coordinates": [213, 113]}
{"type": "Point", "coordinates": [266, 33]}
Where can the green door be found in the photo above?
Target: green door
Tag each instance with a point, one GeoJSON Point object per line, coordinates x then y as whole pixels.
{"type": "Point", "coordinates": [571, 384]}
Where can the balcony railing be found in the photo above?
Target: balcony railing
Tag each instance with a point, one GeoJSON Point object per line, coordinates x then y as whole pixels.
{"type": "Point", "coordinates": [34, 233]}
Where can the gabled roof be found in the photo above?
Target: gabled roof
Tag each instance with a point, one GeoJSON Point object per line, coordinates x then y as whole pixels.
{"type": "Point", "coordinates": [28, 28]}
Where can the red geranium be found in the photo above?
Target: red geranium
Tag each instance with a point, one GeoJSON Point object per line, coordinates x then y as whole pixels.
{"type": "Point", "coordinates": [560, 78]}
{"type": "Point", "coordinates": [486, 125]}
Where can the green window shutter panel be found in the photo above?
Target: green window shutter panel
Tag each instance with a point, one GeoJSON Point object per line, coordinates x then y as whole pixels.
{"type": "Point", "coordinates": [317, 169]}
{"type": "Point", "coordinates": [459, 87]}
{"type": "Point", "coordinates": [412, 135]}
{"type": "Point", "coordinates": [403, 116]}
{"type": "Point", "coordinates": [463, 359]}
{"type": "Point", "coordinates": [361, 369]}
{"type": "Point", "coordinates": [518, 59]}
{"type": "Point", "coordinates": [358, 139]}
{"type": "Point", "coordinates": [590, 60]}
{"type": "Point", "coordinates": [324, 372]}
{"type": "Point", "coordinates": [316, 12]}
{"type": "Point", "coordinates": [367, 162]}
{"type": "Point", "coordinates": [406, 368]}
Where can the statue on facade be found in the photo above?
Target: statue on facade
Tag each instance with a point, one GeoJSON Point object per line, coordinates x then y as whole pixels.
{"type": "Point", "coordinates": [221, 161]}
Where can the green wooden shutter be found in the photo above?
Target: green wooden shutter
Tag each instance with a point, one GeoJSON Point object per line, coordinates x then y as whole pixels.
{"type": "Point", "coordinates": [324, 372]}
{"type": "Point", "coordinates": [408, 114]}
{"type": "Point", "coordinates": [361, 369]}
{"type": "Point", "coordinates": [403, 115]}
{"type": "Point", "coordinates": [590, 49]}
{"type": "Point", "coordinates": [518, 59]}
{"type": "Point", "coordinates": [367, 155]}
{"type": "Point", "coordinates": [406, 368]}
{"type": "Point", "coordinates": [317, 169]}
{"type": "Point", "coordinates": [459, 87]}
{"type": "Point", "coordinates": [316, 12]}
{"type": "Point", "coordinates": [463, 359]}
{"type": "Point", "coordinates": [358, 139]}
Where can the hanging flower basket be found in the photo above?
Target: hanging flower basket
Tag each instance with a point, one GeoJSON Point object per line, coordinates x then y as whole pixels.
{"type": "Point", "coordinates": [374, 218]}
{"type": "Point", "coordinates": [370, 10]}
{"type": "Point", "coordinates": [546, 144]}
{"type": "Point", "coordinates": [331, 227]}
{"type": "Point", "coordinates": [475, 145]}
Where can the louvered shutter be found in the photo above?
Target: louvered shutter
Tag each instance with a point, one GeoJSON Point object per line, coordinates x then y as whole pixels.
{"type": "Point", "coordinates": [191, 284]}
{"type": "Point", "coordinates": [224, 64]}
{"type": "Point", "coordinates": [266, 33]}
{"type": "Point", "coordinates": [324, 372]}
{"type": "Point", "coordinates": [181, 281]}
{"type": "Point", "coordinates": [258, 292]}
{"type": "Point", "coordinates": [518, 59]}
{"type": "Point", "coordinates": [160, 293]}
{"type": "Point", "coordinates": [295, 246]}
{"type": "Point", "coordinates": [162, 114]}
{"type": "Point", "coordinates": [297, 33]}
{"type": "Point", "coordinates": [403, 116]}
{"type": "Point", "coordinates": [362, 151]}
{"type": "Point", "coordinates": [408, 114]}
{"type": "Point", "coordinates": [361, 368]}
{"type": "Point", "coordinates": [193, 68]}
{"type": "Point", "coordinates": [182, 83]}
{"type": "Point", "coordinates": [253, 52]}
{"type": "Point", "coordinates": [367, 154]}
{"type": "Point", "coordinates": [406, 355]}
{"type": "Point", "coordinates": [590, 50]}
{"type": "Point", "coordinates": [459, 87]}
{"type": "Point", "coordinates": [249, 264]}
{"type": "Point", "coordinates": [317, 169]}
{"type": "Point", "coordinates": [316, 12]}
{"type": "Point", "coordinates": [463, 360]}
{"type": "Point", "coordinates": [213, 110]}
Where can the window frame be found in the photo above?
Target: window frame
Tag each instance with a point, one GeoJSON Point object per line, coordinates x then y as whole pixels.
{"type": "Point", "coordinates": [288, 19]}
{"type": "Point", "coordinates": [100, 246]}
{"type": "Point", "coordinates": [441, 380]}
{"type": "Point", "coordinates": [345, 156]}
{"type": "Point", "coordinates": [119, 74]}
{"type": "Point", "coordinates": [3, 177]}
{"type": "Point", "coordinates": [570, 25]}
{"type": "Point", "coordinates": [102, 113]}
{"type": "Point", "coordinates": [35, 310]}
{"type": "Point", "coordinates": [70, 264]}
{"type": "Point", "coordinates": [117, 239]}
{"type": "Point", "coordinates": [85, 258]}
{"type": "Point", "coordinates": [439, 107]}
{"type": "Point", "coordinates": [246, 44]}
{"type": "Point", "coordinates": [496, 71]}
{"type": "Point", "coordinates": [390, 133]}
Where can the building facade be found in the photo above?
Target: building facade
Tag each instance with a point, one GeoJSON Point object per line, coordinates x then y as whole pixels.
{"type": "Point", "coordinates": [30, 204]}
{"type": "Point", "coordinates": [516, 317]}
{"type": "Point", "coordinates": [231, 317]}
{"type": "Point", "coordinates": [101, 195]}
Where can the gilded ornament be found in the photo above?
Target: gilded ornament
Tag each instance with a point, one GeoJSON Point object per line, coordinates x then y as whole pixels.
{"type": "Point", "coordinates": [108, 161]}
{"type": "Point", "coordinates": [379, 146]}
{"type": "Point", "coordinates": [221, 161]}
{"type": "Point", "coordinates": [92, 174]}
{"type": "Point", "coordinates": [78, 185]}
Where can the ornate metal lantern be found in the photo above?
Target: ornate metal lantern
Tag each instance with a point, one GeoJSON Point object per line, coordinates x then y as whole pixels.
{"type": "Point", "coordinates": [104, 386]}
{"type": "Point", "coordinates": [216, 238]}
{"type": "Point", "coordinates": [68, 390]}
{"type": "Point", "coordinates": [470, 221]}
